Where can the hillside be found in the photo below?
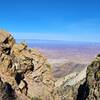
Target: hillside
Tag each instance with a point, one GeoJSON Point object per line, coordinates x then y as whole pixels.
{"type": "Point", "coordinates": [81, 86]}
{"type": "Point", "coordinates": [24, 69]}
{"type": "Point", "coordinates": [25, 74]}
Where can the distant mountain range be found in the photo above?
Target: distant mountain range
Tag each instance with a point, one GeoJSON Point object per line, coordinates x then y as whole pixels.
{"type": "Point", "coordinates": [55, 41]}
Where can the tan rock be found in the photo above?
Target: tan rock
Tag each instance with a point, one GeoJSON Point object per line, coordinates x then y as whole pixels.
{"type": "Point", "coordinates": [6, 38]}
{"type": "Point", "coordinates": [21, 85]}
{"type": "Point", "coordinates": [3, 36]}
{"type": "Point", "coordinates": [17, 48]}
{"type": "Point", "coordinates": [34, 76]}
{"type": "Point", "coordinates": [90, 89]}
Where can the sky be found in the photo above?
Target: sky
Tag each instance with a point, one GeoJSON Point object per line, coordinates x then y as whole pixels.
{"type": "Point", "coordinates": [70, 20]}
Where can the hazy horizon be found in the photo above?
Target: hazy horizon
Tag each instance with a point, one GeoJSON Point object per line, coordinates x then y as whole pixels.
{"type": "Point", "coordinates": [54, 41]}
{"type": "Point", "coordinates": [70, 20]}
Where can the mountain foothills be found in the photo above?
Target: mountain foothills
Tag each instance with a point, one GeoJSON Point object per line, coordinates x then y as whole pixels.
{"type": "Point", "coordinates": [25, 74]}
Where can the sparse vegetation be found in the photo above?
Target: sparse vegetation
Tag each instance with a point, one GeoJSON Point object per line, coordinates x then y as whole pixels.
{"type": "Point", "coordinates": [35, 98]}
{"type": "Point", "coordinates": [48, 66]}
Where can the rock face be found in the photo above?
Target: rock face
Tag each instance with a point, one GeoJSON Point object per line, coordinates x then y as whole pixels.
{"type": "Point", "coordinates": [82, 86]}
{"type": "Point", "coordinates": [90, 89]}
{"type": "Point", "coordinates": [6, 91]}
{"type": "Point", "coordinates": [67, 87]}
{"type": "Point", "coordinates": [25, 70]}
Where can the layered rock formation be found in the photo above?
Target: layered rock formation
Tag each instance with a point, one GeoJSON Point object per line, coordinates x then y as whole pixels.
{"type": "Point", "coordinates": [25, 70]}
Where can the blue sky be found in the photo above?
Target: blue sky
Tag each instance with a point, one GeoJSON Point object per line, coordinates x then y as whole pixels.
{"type": "Point", "coordinates": [70, 20]}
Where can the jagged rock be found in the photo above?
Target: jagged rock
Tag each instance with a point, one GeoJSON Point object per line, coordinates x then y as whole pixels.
{"type": "Point", "coordinates": [3, 36]}
{"type": "Point", "coordinates": [83, 86]}
{"type": "Point", "coordinates": [26, 74]}
{"type": "Point", "coordinates": [6, 38]}
{"type": "Point", "coordinates": [6, 91]}
{"type": "Point", "coordinates": [25, 69]}
{"type": "Point", "coordinates": [17, 48]}
{"type": "Point", "coordinates": [23, 86]}
{"type": "Point", "coordinates": [90, 89]}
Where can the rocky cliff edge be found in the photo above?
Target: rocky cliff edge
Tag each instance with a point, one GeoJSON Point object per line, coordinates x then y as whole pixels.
{"type": "Point", "coordinates": [24, 72]}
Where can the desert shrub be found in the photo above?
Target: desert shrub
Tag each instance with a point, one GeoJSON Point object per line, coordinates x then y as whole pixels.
{"type": "Point", "coordinates": [48, 66]}
{"type": "Point", "coordinates": [36, 98]}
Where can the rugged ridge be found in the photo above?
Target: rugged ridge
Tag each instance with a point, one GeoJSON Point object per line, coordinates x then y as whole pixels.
{"type": "Point", "coordinates": [90, 89]}
{"type": "Point", "coordinates": [26, 75]}
{"type": "Point", "coordinates": [25, 69]}
{"type": "Point", "coordinates": [82, 86]}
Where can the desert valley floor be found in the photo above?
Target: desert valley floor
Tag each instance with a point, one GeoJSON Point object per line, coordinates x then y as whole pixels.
{"type": "Point", "coordinates": [66, 57]}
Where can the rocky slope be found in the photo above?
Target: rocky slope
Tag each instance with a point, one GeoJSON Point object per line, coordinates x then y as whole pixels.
{"type": "Point", "coordinates": [24, 71]}
{"type": "Point", "coordinates": [62, 70]}
{"type": "Point", "coordinates": [90, 89]}
{"type": "Point", "coordinates": [26, 75]}
{"type": "Point", "coordinates": [82, 86]}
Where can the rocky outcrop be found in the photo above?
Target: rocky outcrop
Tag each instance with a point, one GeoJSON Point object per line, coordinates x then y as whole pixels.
{"type": "Point", "coordinates": [67, 87]}
{"type": "Point", "coordinates": [90, 89]}
{"type": "Point", "coordinates": [6, 91]}
{"type": "Point", "coordinates": [25, 69]}
{"type": "Point", "coordinates": [82, 86]}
